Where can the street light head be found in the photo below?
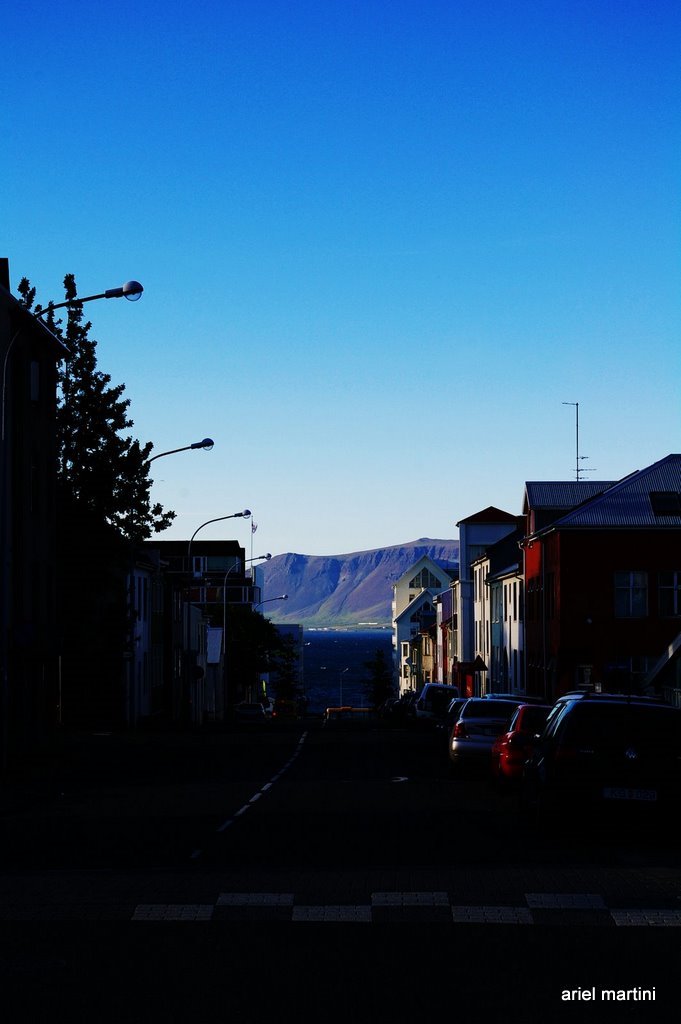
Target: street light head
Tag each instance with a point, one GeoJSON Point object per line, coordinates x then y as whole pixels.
{"type": "Point", "coordinates": [245, 514]}
{"type": "Point", "coordinates": [206, 444]}
{"type": "Point", "coordinates": [132, 290]}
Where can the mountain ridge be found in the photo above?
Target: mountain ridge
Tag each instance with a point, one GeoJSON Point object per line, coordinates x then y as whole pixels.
{"type": "Point", "coordinates": [347, 589]}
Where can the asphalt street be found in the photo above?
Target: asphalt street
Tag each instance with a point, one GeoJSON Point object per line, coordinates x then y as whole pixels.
{"type": "Point", "coordinates": [316, 872]}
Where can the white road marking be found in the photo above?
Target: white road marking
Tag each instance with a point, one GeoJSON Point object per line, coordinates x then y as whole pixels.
{"type": "Point", "coordinates": [264, 789]}
{"type": "Point", "coordinates": [409, 899]}
{"type": "Point", "coordinates": [565, 901]}
{"type": "Point", "coordinates": [492, 915]}
{"type": "Point", "coordinates": [649, 918]}
{"type": "Point", "coordinates": [333, 913]}
{"type": "Point", "coordinates": [173, 912]}
{"type": "Point", "coordinates": [255, 899]}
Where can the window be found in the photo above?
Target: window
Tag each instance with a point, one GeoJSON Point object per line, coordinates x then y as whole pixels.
{"type": "Point", "coordinates": [425, 580]}
{"type": "Point", "coordinates": [35, 380]}
{"type": "Point", "coordinates": [666, 503]}
{"type": "Point", "coordinates": [669, 593]}
{"type": "Point", "coordinates": [631, 595]}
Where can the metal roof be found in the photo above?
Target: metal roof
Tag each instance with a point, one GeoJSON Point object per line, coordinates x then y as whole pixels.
{"type": "Point", "coordinates": [628, 502]}
{"type": "Point", "coordinates": [545, 494]}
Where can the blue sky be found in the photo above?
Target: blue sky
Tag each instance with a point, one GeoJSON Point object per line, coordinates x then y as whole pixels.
{"type": "Point", "coordinates": [381, 244]}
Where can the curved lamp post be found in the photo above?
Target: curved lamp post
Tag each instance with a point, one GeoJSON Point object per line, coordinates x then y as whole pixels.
{"type": "Point", "coordinates": [282, 597]}
{"type": "Point", "coordinates": [131, 290]}
{"type": "Point", "coordinates": [206, 444]}
{"type": "Point", "coordinates": [246, 514]}
{"type": "Point", "coordinates": [235, 515]}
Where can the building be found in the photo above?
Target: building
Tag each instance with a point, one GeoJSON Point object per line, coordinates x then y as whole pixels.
{"type": "Point", "coordinates": [498, 598]}
{"type": "Point", "coordinates": [409, 611]}
{"type": "Point", "coordinates": [29, 636]}
{"type": "Point", "coordinates": [446, 653]}
{"type": "Point", "coordinates": [477, 533]}
{"type": "Point", "coordinates": [603, 586]}
{"type": "Point", "coordinates": [196, 636]}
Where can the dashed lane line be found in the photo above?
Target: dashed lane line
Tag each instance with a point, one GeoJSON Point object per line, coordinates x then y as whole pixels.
{"type": "Point", "coordinates": [256, 796]}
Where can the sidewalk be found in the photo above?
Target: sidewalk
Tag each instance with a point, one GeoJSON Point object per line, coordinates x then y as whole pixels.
{"type": "Point", "coordinates": [76, 760]}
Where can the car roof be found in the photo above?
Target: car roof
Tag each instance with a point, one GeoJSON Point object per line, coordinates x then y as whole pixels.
{"type": "Point", "coordinates": [611, 698]}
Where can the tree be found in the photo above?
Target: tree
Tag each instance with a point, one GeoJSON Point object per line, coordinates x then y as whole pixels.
{"type": "Point", "coordinates": [102, 471]}
{"type": "Point", "coordinates": [286, 669]}
{"type": "Point", "coordinates": [251, 641]}
{"type": "Point", "coordinates": [379, 682]}
{"type": "Point", "coordinates": [103, 511]}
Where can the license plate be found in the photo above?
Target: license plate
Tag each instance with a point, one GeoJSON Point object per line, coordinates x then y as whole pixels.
{"type": "Point", "coordinates": [621, 793]}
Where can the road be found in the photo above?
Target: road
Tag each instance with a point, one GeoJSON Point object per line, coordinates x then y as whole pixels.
{"type": "Point", "coordinates": [319, 872]}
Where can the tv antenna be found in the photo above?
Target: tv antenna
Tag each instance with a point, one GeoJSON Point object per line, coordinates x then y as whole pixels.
{"type": "Point", "coordinates": [578, 458]}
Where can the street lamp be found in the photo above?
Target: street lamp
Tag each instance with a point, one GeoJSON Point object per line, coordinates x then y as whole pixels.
{"type": "Point", "coordinates": [282, 597]}
{"type": "Point", "coordinates": [235, 515]}
{"type": "Point", "coordinates": [131, 290]}
{"type": "Point", "coordinates": [206, 444]}
{"type": "Point", "coordinates": [246, 514]}
{"type": "Point", "coordinates": [340, 685]}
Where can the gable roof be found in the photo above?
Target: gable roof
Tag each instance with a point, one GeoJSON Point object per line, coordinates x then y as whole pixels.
{"type": "Point", "coordinates": [503, 553]}
{"type": "Point", "coordinates": [489, 515]}
{"type": "Point", "coordinates": [31, 324]}
{"type": "Point", "coordinates": [425, 561]}
{"type": "Point", "coordinates": [418, 602]}
{"type": "Point", "coordinates": [650, 498]}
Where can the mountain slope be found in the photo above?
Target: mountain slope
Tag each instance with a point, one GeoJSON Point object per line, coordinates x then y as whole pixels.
{"type": "Point", "coordinates": [344, 590]}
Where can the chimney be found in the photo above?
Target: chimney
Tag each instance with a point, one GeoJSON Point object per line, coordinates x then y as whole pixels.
{"type": "Point", "coordinates": [4, 273]}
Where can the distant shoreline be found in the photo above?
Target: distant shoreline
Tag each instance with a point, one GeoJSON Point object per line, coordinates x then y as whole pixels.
{"type": "Point", "coordinates": [357, 627]}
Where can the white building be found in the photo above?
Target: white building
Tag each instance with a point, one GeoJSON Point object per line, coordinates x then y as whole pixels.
{"type": "Point", "coordinates": [413, 597]}
{"type": "Point", "coordinates": [498, 617]}
{"type": "Point", "coordinates": [477, 533]}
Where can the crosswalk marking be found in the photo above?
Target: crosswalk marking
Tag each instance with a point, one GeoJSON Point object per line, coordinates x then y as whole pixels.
{"type": "Point", "coordinates": [403, 906]}
{"type": "Point", "coordinates": [565, 901]}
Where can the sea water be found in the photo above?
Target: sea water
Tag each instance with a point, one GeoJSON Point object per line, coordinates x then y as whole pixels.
{"type": "Point", "coordinates": [334, 670]}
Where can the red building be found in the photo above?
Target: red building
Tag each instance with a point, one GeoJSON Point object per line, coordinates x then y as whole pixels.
{"type": "Point", "coordinates": [603, 584]}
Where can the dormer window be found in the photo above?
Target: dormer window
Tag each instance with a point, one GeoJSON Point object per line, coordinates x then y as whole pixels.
{"type": "Point", "coordinates": [666, 503]}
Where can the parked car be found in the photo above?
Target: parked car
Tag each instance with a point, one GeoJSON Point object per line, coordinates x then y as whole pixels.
{"type": "Point", "coordinates": [445, 725]}
{"type": "Point", "coordinates": [480, 721]}
{"type": "Point", "coordinates": [249, 713]}
{"type": "Point", "coordinates": [433, 701]}
{"type": "Point", "coordinates": [526, 699]}
{"type": "Point", "coordinates": [395, 709]}
{"type": "Point", "coordinates": [512, 748]}
{"type": "Point", "coordinates": [285, 708]}
{"type": "Point", "coordinates": [399, 710]}
{"type": "Point", "coordinates": [604, 753]}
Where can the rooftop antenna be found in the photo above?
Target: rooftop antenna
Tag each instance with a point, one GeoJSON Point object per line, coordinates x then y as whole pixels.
{"type": "Point", "coordinates": [578, 458]}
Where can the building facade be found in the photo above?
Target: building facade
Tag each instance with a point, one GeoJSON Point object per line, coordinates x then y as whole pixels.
{"type": "Point", "coordinates": [410, 610]}
{"type": "Point", "coordinates": [29, 635]}
{"type": "Point", "coordinates": [603, 586]}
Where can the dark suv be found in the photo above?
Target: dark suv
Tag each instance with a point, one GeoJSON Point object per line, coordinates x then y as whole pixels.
{"type": "Point", "coordinates": [605, 752]}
